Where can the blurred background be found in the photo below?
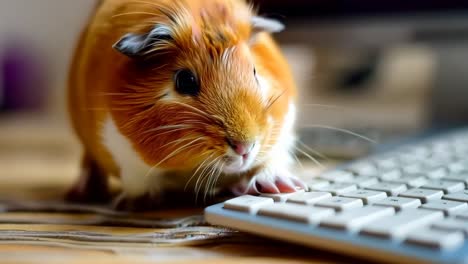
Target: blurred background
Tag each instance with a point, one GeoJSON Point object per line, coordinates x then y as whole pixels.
{"type": "Point", "coordinates": [382, 69]}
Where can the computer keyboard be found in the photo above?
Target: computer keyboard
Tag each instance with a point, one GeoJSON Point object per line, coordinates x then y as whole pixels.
{"type": "Point", "coordinates": [408, 204]}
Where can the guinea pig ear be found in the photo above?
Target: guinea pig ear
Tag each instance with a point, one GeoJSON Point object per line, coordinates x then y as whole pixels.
{"type": "Point", "coordinates": [260, 24]}
{"type": "Point", "coordinates": [137, 45]}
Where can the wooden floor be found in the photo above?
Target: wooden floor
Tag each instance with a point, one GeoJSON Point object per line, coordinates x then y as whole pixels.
{"type": "Point", "coordinates": [38, 163]}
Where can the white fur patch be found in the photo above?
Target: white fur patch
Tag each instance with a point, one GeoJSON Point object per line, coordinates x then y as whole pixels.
{"type": "Point", "coordinates": [134, 174]}
{"type": "Point", "coordinates": [280, 154]}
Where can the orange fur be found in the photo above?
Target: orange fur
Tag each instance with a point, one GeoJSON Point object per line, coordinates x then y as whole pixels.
{"type": "Point", "coordinates": [140, 97]}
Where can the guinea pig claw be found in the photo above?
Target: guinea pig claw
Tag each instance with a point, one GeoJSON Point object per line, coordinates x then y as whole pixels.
{"type": "Point", "coordinates": [285, 184]}
{"type": "Point", "coordinates": [258, 185]}
{"type": "Point", "coordinates": [299, 183]}
{"type": "Point", "coordinates": [267, 186]}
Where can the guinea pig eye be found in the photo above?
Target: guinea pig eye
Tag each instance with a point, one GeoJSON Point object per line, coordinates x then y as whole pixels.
{"type": "Point", "coordinates": [186, 82]}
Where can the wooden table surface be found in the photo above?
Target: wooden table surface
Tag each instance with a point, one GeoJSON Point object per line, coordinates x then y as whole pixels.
{"type": "Point", "coordinates": [38, 163]}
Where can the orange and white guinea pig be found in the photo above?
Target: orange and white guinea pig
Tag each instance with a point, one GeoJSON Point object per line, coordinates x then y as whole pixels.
{"type": "Point", "coordinates": [174, 94]}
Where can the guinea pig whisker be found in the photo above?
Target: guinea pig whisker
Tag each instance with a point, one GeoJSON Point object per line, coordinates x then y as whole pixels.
{"type": "Point", "coordinates": [348, 110]}
{"type": "Point", "coordinates": [194, 114]}
{"type": "Point", "coordinates": [206, 176]}
{"type": "Point", "coordinates": [346, 131]}
{"type": "Point", "coordinates": [193, 122]}
{"type": "Point", "coordinates": [272, 100]}
{"type": "Point", "coordinates": [312, 150]}
{"type": "Point", "coordinates": [159, 7]}
{"type": "Point", "coordinates": [209, 117]}
{"type": "Point", "coordinates": [220, 170]}
{"type": "Point", "coordinates": [196, 171]}
{"type": "Point", "coordinates": [210, 179]}
{"type": "Point", "coordinates": [172, 154]}
{"type": "Point", "coordinates": [176, 141]}
{"type": "Point", "coordinates": [202, 177]}
{"type": "Point", "coordinates": [147, 3]}
{"type": "Point", "coordinates": [293, 154]}
{"type": "Point", "coordinates": [314, 160]}
{"type": "Point", "coordinates": [148, 173]}
{"type": "Point", "coordinates": [172, 127]}
{"type": "Point", "coordinates": [193, 108]}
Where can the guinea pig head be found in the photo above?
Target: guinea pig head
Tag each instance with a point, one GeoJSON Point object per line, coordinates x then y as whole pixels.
{"type": "Point", "coordinates": [191, 95]}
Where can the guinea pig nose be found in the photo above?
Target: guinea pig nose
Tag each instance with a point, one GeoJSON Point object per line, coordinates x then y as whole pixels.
{"type": "Point", "coordinates": [241, 147]}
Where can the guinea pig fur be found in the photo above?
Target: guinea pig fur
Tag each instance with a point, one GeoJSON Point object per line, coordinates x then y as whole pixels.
{"type": "Point", "coordinates": [174, 94]}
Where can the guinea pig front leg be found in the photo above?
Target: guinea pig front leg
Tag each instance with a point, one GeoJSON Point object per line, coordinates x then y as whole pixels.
{"type": "Point", "coordinates": [91, 186]}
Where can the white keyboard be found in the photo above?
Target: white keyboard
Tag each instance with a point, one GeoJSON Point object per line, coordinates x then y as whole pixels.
{"type": "Point", "coordinates": [405, 205]}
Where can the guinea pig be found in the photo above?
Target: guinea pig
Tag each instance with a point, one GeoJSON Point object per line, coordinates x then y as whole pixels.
{"type": "Point", "coordinates": [175, 94]}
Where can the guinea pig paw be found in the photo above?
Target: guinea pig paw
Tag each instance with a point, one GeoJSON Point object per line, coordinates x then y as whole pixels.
{"type": "Point", "coordinates": [279, 182]}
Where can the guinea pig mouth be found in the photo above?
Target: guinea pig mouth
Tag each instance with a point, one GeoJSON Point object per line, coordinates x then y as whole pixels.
{"type": "Point", "coordinates": [238, 164]}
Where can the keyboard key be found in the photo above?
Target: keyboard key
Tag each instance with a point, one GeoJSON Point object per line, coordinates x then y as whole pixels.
{"type": "Point", "coordinates": [423, 194]}
{"type": "Point", "coordinates": [316, 183]}
{"type": "Point", "coordinates": [445, 186]}
{"type": "Point", "coordinates": [364, 168]}
{"type": "Point", "coordinates": [410, 158]}
{"type": "Point", "coordinates": [281, 197]}
{"type": "Point", "coordinates": [414, 169]}
{"type": "Point", "coordinates": [463, 215]}
{"type": "Point", "coordinates": [452, 224]}
{"type": "Point", "coordinates": [448, 207]}
{"type": "Point", "coordinates": [247, 203]}
{"type": "Point", "coordinates": [434, 238]}
{"type": "Point", "coordinates": [353, 220]}
{"type": "Point", "coordinates": [390, 175]}
{"type": "Point", "coordinates": [337, 176]}
{"type": "Point", "coordinates": [411, 181]}
{"type": "Point", "coordinates": [420, 151]}
{"type": "Point", "coordinates": [337, 188]}
{"type": "Point", "coordinates": [458, 196]}
{"type": "Point", "coordinates": [363, 181]}
{"type": "Point", "coordinates": [458, 167]}
{"type": "Point", "coordinates": [308, 197]}
{"type": "Point", "coordinates": [392, 189]}
{"type": "Point", "coordinates": [295, 212]}
{"type": "Point", "coordinates": [399, 203]}
{"type": "Point", "coordinates": [397, 226]}
{"type": "Point", "coordinates": [387, 163]}
{"type": "Point", "coordinates": [461, 177]}
{"type": "Point", "coordinates": [437, 173]}
{"type": "Point", "coordinates": [340, 203]}
{"type": "Point", "coordinates": [442, 159]}
{"type": "Point", "coordinates": [366, 195]}
{"type": "Point", "coordinates": [434, 163]}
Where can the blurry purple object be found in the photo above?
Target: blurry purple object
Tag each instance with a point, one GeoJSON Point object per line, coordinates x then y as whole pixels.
{"type": "Point", "coordinates": [22, 77]}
